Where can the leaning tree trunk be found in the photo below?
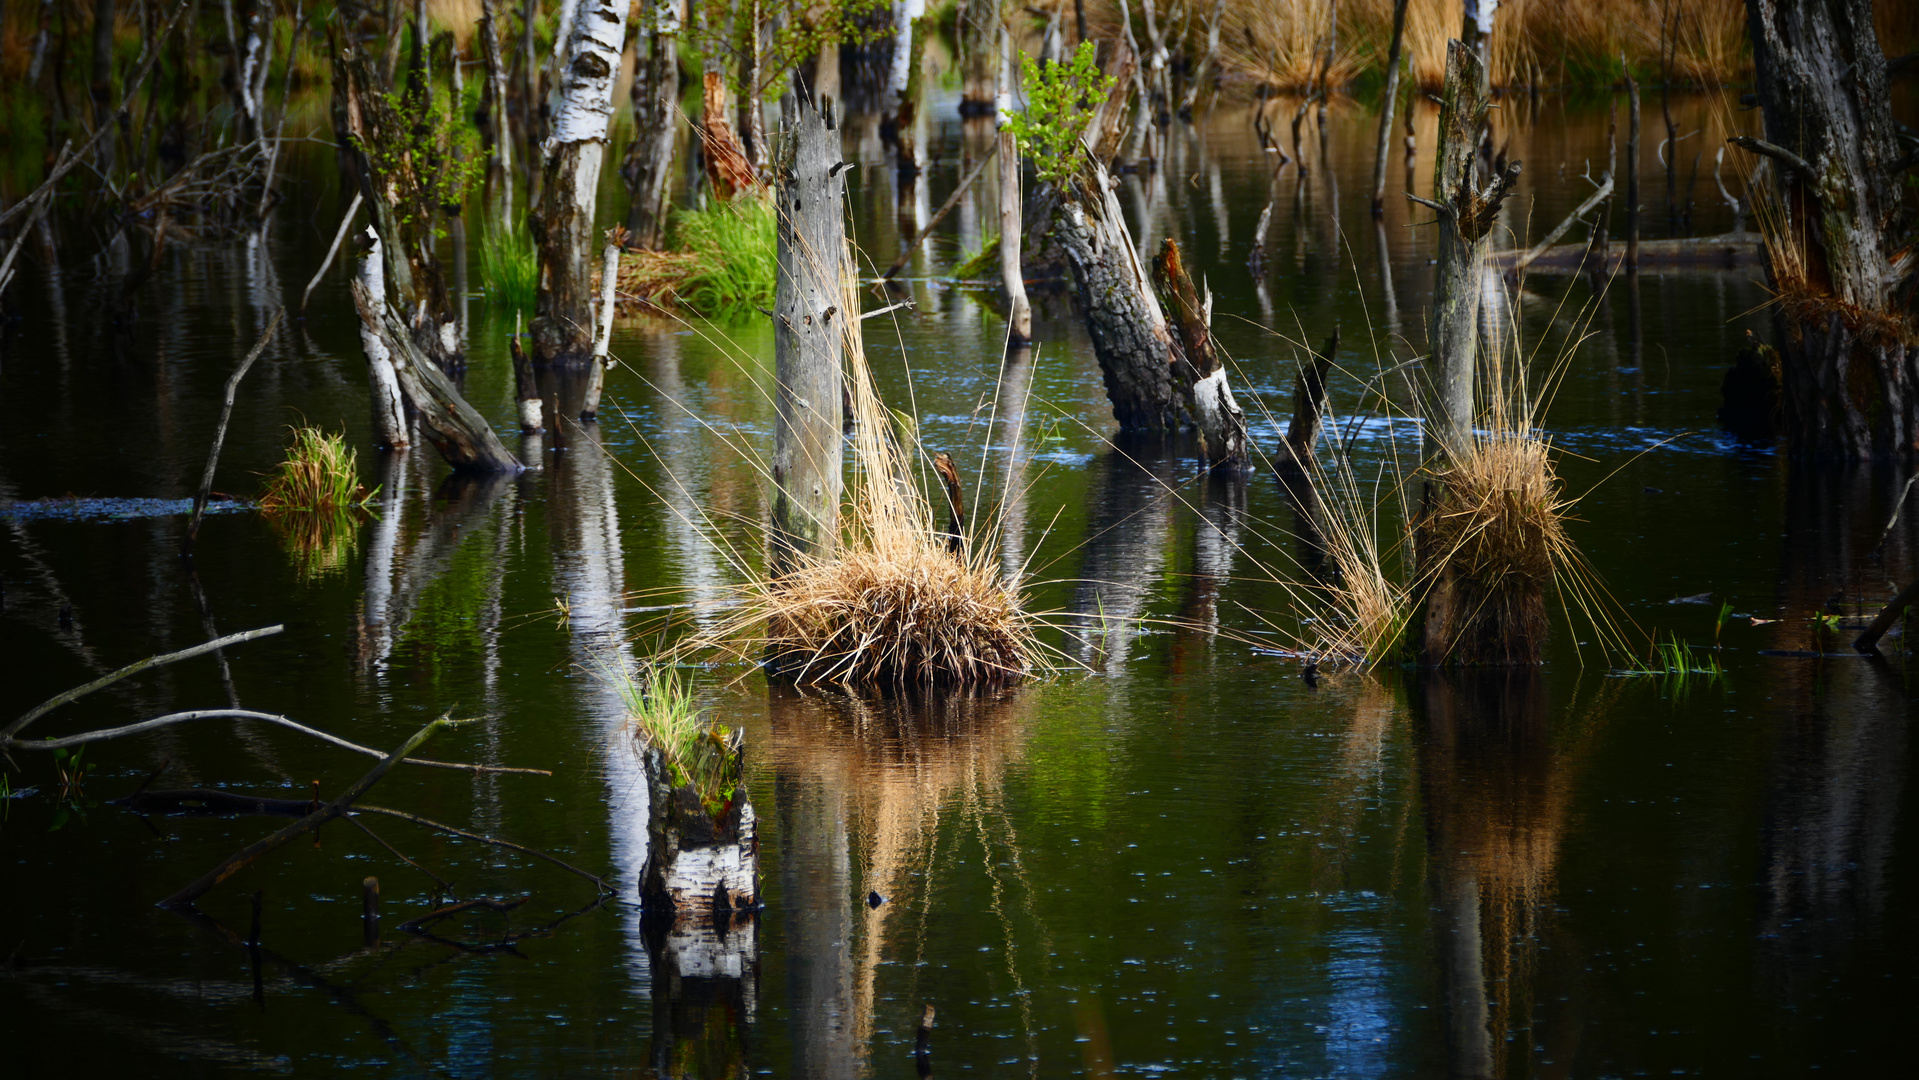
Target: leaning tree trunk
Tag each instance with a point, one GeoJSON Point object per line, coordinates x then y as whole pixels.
{"type": "Point", "coordinates": [383, 383]}
{"type": "Point", "coordinates": [563, 227]}
{"type": "Point", "coordinates": [656, 97]}
{"type": "Point", "coordinates": [809, 319]}
{"type": "Point", "coordinates": [1836, 243]}
{"type": "Point", "coordinates": [1197, 368]}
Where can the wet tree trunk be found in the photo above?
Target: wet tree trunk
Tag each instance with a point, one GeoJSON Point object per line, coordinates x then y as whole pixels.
{"type": "Point", "coordinates": [563, 227]}
{"type": "Point", "coordinates": [496, 132]}
{"type": "Point", "coordinates": [648, 170]}
{"type": "Point", "coordinates": [1466, 215]}
{"type": "Point", "coordinates": [1844, 279]}
{"type": "Point", "coordinates": [807, 327]}
{"type": "Point", "coordinates": [1197, 368]}
{"type": "Point", "coordinates": [1123, 317]}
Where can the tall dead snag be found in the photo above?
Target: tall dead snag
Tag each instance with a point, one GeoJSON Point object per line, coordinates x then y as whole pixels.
{"type": "Point", "coordinates": [399, 177]}
{"type": "Point", "coordinates": [563, 227]}
{"type": "Point", "coordinates": [495, 132]}
{"type": "Point", "coordinates": [1196, 365]}
{"type": "Point", "coordinates": [1019, 310]}
{"type": "Point", "coordinates": [1389, 98]}
{"type": "Point", "coordinates": [1294, 462]}
{"type": "Point", "coordinates": [727, 170]}
{"type": "Point", "coordinates": [648, 170]}
{"type": "Point", "coordinates": [1837, 240]}
{"type": "Point", "coordinates": [1466, 216]}
{"type": "Point", "coordinates": [807, 339]}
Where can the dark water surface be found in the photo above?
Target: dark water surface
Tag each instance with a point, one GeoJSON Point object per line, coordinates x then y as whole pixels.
{"type": "Point", "coordinates": [1183, 861]}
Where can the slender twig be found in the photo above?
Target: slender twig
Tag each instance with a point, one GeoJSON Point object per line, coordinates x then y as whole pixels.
{"type": "Point", "coordinates": [1604, 190]}
{"type": "Point", "coordinates": [134, 668]}
{"type": "Point", "coordinates": [245, 714]}
{"type": "Point", "coordinates": [444, 884]}
{"type": "Point", "coordinates": [1777, 153]}
{"type": "Point", "coordinates": [245, 857]}
{"type": "Point", "coordinates": [414, 926]}
{"type": "Point", "coordinates": [220, 432]}
{"type": "Point", "coordinates": [945, 209]}
{"type": "Point", "coordinates": [598, 882]}
{"type": "Point", "coordinates": [327, 263]}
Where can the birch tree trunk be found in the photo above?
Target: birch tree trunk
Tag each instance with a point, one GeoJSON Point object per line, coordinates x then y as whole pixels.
{"type": "Point", "coordinates": [497, 133]}
{"type": "Point", "coordinates": [383, 384]}
{"type": "Point", "coordinates": [807, 328]}
{"type": "Point", "coordinates": [648, 171]}
{"type": "Point", "coordinates": [1838, 244]}
{"type": "Point", "coordinates": [563, 227]}
{"type": "Point", "coordinates": [1019, 310]}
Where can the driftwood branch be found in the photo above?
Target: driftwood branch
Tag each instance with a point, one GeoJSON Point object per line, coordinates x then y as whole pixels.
{"type": "Point", "coordinates": [1869, 640]}
{"type": "Point", "coordinates": [78, 692]}
{"type": "Point", "coordinates": [1777, 153]}
{"type": "Point", "coordinates": [345, 224]}
{"type": "Point", "coordinates": [945, 209]}
{"type": "Point", "coordinates": [246, 856]}
{"type": "Point", "coordinates": [244, 714]}
{"type": "Point", "coordinates": [414, 926]}
{"type": "Point", "coordinates": [220, 431]}
{"type": "Point", "coordinates": [1599, 195]}
{"type": "Point", "coordinates": [597, 881]}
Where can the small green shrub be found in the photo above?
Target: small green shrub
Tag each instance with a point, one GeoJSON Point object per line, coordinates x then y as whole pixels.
{"type": "Point", "coordinates": [1060, 99]}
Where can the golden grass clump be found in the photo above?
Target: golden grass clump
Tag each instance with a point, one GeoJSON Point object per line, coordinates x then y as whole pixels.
{"type": "Point", "coordinates": [897, 603]}
{"type": "Point", "coordinates": [1490, 541]}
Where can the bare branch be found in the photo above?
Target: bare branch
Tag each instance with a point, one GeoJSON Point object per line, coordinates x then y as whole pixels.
{"type": "Point", "coordinates": [1777, 153]}
{"type": "Point", "coordinates": [7, 736]}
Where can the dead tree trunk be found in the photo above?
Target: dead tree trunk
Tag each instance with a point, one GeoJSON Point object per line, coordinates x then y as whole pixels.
{"type": "Point", "coordinates": [807, 325]}
{"type": "Point", "coordinates": [455, 428]}
{"type": "Point", "coordinates": [1197, 368]}
{"type": "Point", "coordinates": [397, 184]}
{"type": "Point", "coordinates": [383, 383]}
{"type": "Point", "coordinates": [648, 170]}
{"type": "Point", "coordinates": [495, 130]}
{"type": "Point", "coordinates": [699, 864]}
{"type": "Point", "coordinates": [1466, 215]}
{"type": "Point", "coordinates": [1019, 310]}
{"type": "Point", "coordinates": [1123, 317]}
{"type": "Point", "coordinates": [563, 227]}
{"type": "Point", "coordinates": [1838, 245]}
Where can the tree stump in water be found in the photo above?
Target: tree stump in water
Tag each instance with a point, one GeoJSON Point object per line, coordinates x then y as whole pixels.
{"type": "Point", "coordinates": [701, 887]}
{"type": "Point", "coordinates": [1841, 272]}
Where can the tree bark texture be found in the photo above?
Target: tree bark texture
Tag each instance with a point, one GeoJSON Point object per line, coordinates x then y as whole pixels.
{"type": "Point", "coordinates": [1019, 310]}
{"type": "Point", "coordinates": [563, 227]}
{"type": "Point", "coordinates": [398, 198]}
{"type": "Point", "coordinates": [455, 428]}
{"type": "Point", "coordinates": [648, 170]}
{"type": "Point", "coordinates": [1466, 215]}
{"type": "Point", "coordinates": [1837, 237]}
{"type": "Point", "coordinates": [496, 132]}
{"type": "Point", "coordinates": [697, 863]}
{"type": "Point", "coordinates": [807, 333]}
{"type": "Point", "coordinates": [1196, 366]}
{"type": "Point", "coordinates": [727, 171]}
{"type": "Point", "coordinates": [1123, 317]}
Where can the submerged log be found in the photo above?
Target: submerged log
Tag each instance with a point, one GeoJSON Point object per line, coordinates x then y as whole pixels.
{"type": "Point", "coordinates": [807, 334]}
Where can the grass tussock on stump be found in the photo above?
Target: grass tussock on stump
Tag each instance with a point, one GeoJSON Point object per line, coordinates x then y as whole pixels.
{"type": "Point", "coordinates": [314, 501]}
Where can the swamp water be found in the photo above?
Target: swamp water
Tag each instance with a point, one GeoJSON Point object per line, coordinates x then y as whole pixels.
{"type": "Point", "coordinates": [1184, 860]}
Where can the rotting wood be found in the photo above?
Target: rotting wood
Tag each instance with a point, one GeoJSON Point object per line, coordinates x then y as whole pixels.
{"type": "Point", "coordinates": [949, 477]}
{"type": "Point", "coordinates": [698, 863]}
{"type": "Point", "coordinates": [808, 295]}
{"type": "Point", "coordinates": [1309, 413]}
{"type": "Point", "coordinates": [1526, 258]}
{"type": "Point", "coordinates": [526, 387]}
{"type": "Point", "coordinates": [1466, 216]}
{"type": "Point", "coordinates": [1727, 251]}
{"type": "Point", "coordinates": [603, 340]}
{"type": "Point", "coordinates": [456, 430]}
{"type": "Point", "coordinates": [496, 130]}
{"type": "Point", "coordinates": [220, 431]}
{"type": "Point", "coordinates": [1198, 370]}
{"type": "Point", "coordinates": [728, 173]}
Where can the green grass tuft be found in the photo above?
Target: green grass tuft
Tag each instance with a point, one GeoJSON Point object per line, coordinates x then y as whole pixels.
{"type": "Point", "coordinates": [738, 256]}
{"type": "Point", "coordinates": [699, 753]}
{"type": "Point", "coordinates": [510, 269]}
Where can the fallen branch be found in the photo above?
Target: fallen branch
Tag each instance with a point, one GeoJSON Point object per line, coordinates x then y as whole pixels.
{"type": "Point", "coordinates": [246, 856]}
{"type": "Point", "coordinates": [220, 432]}
{"type": "Point", "coordinates": [1599, 195]}
{"type": "Point", "coordinates": [597, 881]}
{"type": "Point", "coordinates": [246, 714]}
{"type": "Point", "coordinates": [415, 926]}
{"type": "Point", "coordinates": [945, 209]}
{"type": "Point", "coordinates": [1869, 640]}
{"type": "Point", "coordinates": [78, 692]}
{"type": "Point", "coordinates": [345, 224]}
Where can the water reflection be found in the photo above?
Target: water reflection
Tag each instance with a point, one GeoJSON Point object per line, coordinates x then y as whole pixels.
{"type": "Point", "coordinates": [873, 798]}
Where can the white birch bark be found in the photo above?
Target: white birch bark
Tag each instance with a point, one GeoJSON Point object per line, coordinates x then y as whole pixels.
{"type": "Point", "coordinates": [383, 384]}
